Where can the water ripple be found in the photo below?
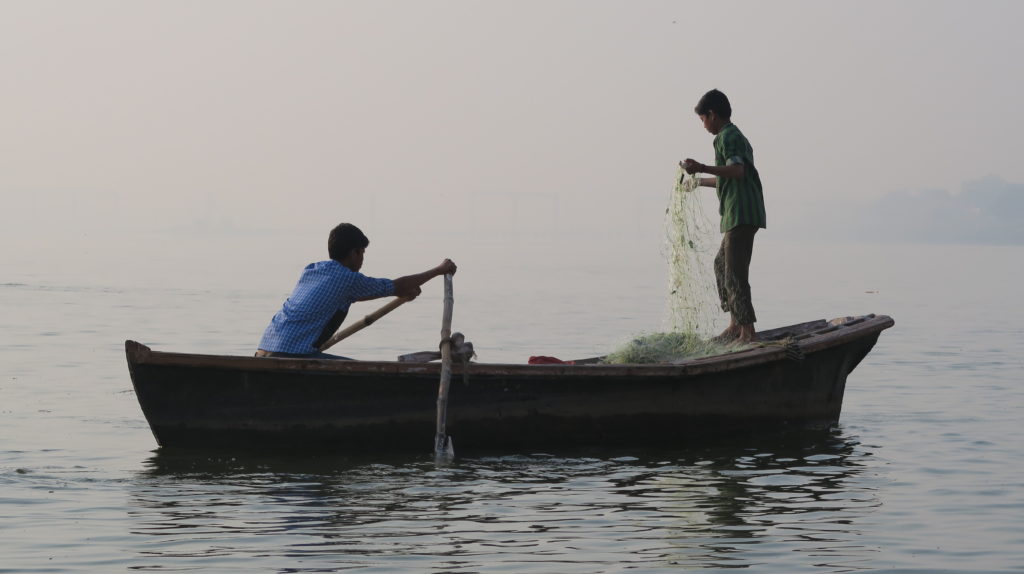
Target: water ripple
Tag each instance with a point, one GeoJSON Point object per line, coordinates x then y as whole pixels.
{"type": "Point", "coordinates": [538, 513]}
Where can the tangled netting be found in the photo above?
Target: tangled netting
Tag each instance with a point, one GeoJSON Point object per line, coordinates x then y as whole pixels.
{"type": "Point", "coordinates": [690, 245]}
{"type": "Point", "coordinates": [665, 348]}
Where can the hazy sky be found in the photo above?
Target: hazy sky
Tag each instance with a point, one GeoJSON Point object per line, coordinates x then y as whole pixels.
{"type": "Point", "coordinates": [152, 124]}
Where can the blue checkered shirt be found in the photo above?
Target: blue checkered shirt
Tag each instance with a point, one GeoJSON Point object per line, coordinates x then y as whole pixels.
{"type": "Point", "coordinates": [324, 289]}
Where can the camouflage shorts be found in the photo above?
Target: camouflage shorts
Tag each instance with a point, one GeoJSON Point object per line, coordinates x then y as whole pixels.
{"type": "Point", "coordinates": [732, 272]}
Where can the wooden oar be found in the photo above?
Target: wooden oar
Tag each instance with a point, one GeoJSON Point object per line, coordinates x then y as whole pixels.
{"type": "Point", "coordinates": [442, 443]}
{"type": "Point", "coordinates": [366, 322]}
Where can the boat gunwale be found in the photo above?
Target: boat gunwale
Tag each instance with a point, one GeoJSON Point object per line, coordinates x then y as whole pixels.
{"type": "Point", "coordinates": [832, 334]}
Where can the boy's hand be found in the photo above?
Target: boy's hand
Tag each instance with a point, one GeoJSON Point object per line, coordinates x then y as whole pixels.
{"type": "Point", "coordinates": [406, 290]}
{"type": "Point", "coordinates": [691, 166]}
{"type": "Point", "coordinates": [447, 267]}
{"type": "Point", "coordinates": [409, 285]}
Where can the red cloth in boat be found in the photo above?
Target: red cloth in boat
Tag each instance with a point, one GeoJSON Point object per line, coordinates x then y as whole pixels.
{"type": "Point", "coordinates": [542, 360]}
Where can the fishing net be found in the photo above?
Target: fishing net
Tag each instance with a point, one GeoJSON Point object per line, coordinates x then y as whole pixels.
{"type": "Point", "coordinates": [690, 245]}
{"type": "Point", "coordinates": [665, 348]}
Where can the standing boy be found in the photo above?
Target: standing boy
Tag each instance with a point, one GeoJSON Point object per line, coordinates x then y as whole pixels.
{"type": "Point", "coordinates": [321, 298]}
{"type": "Point", "coordinates": [741, 205]}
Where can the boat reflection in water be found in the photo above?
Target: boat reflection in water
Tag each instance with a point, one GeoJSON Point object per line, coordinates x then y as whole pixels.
{"type": "Point", "coordinates": [798, 496]}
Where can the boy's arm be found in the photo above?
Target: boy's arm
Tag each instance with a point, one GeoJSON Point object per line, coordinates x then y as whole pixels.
{"type": "Point", "coordinates": [409, 285]}
{"type": "Point", "coordinates": [731, 171]}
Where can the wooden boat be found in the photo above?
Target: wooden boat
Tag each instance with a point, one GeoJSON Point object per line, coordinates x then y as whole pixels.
{"type": "Point", "coordinates": [794, 379]}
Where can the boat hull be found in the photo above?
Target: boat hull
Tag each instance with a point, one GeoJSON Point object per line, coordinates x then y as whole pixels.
{"type": "Point", "coordinates": [206, 401]}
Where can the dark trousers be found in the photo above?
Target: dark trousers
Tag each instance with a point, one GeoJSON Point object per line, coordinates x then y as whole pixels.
{"type": "Point", "coordinates": [732, 273]}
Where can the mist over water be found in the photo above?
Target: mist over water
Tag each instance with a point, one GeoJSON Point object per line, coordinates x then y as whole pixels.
{"type": "Point", "coordinates": [170, 167]}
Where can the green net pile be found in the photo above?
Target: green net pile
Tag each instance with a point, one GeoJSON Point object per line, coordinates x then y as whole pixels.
{"type": "Point", "coordinates": [665, 348]}
{"type": "Point", "coordinates": [690, 245]}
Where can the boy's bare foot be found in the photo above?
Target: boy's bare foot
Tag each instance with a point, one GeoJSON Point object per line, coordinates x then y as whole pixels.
{"type": "Point", "coordinates": [745, 334]}
{"type": "Point", "coordinates": [731, 333]}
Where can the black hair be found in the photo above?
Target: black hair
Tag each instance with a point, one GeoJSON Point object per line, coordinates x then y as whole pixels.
{"type": "Point", "coordinates": [714, 101]}
{"type": "Point", "coordinates": [343, 239]}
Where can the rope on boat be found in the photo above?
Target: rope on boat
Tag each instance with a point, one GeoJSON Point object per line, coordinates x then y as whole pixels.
{"type": "Point", "coordinates": [789, 346]}
{"type": "Point", "coordinates": [462, 351]}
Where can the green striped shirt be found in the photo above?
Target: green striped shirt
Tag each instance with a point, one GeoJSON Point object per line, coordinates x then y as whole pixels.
{"type": "Point", "coordinates": [740, 201]}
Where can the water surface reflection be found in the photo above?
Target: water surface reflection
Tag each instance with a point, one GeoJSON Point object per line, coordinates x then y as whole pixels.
{"type": "Point", "coordinates": [794, 501]}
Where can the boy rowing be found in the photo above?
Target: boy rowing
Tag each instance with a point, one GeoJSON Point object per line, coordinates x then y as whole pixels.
{"type": "Point", "coordinates": [321, 299]}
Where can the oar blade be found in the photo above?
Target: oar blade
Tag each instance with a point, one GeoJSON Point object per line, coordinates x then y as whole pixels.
{"type": "Point", "coordinates": [444, 450]}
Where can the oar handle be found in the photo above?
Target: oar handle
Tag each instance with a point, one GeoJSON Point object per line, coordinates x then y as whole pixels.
{"type": "Point", "coordinates": [366, 322]}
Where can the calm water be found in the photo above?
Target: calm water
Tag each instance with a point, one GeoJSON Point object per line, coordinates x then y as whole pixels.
{"type": "Point", "coordinates": [924, 473]}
